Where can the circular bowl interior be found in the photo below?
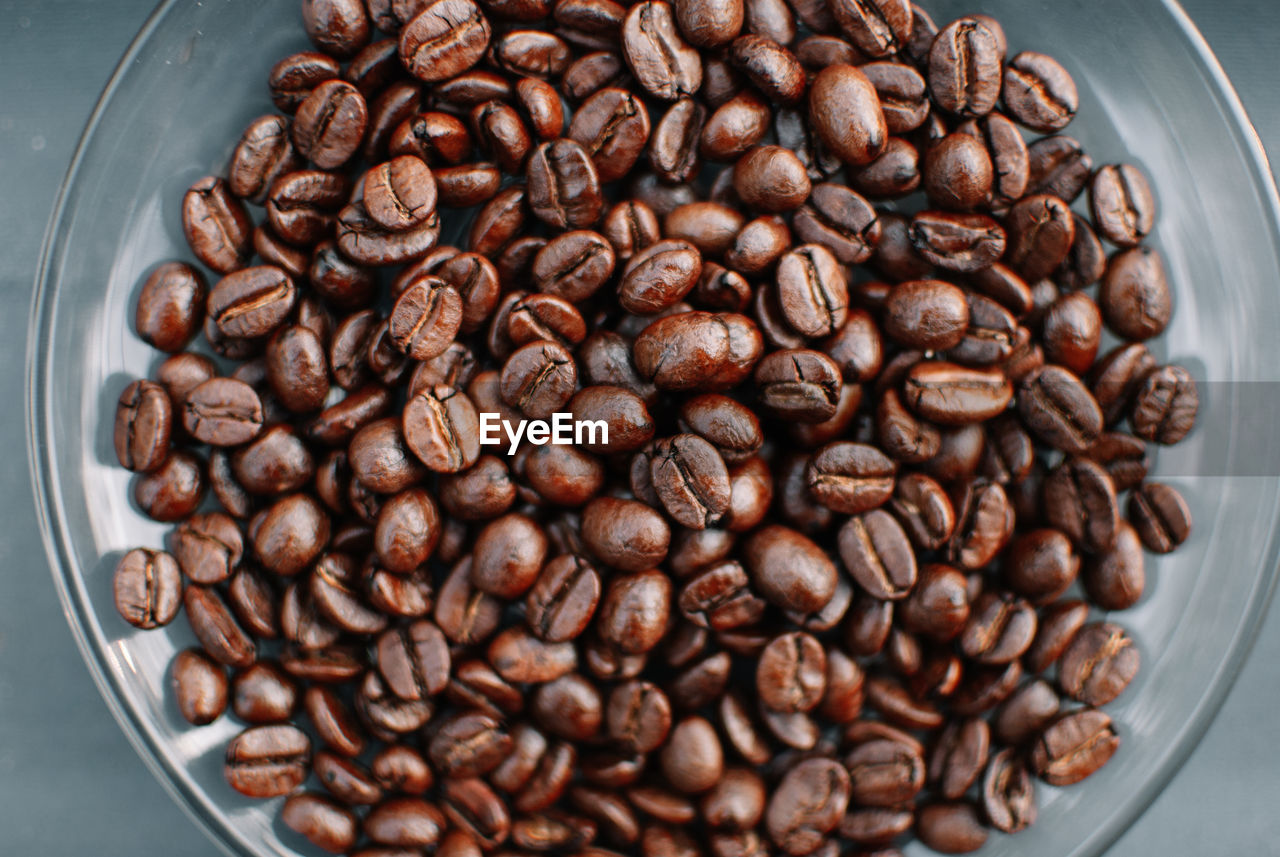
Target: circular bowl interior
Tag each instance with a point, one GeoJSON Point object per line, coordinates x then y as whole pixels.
{"type": "Point", "coordinates": [1150, 92]}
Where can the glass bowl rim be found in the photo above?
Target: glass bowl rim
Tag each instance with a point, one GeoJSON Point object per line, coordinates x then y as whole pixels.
{"type": "Point", "coordinates": [55, 532]}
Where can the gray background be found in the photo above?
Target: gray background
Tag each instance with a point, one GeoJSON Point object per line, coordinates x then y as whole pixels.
{"type": "Point", "coordinates": [71, 784]}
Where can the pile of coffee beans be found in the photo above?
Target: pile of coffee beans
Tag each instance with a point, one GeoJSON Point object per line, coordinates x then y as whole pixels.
{"type": "Point", "coordinates": [843, 568]}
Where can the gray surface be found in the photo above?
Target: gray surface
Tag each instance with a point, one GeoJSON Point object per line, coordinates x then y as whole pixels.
{"type": "Point", "coordinates": [60, 749]}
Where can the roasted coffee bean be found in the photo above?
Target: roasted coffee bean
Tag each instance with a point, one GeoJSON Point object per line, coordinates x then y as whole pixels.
{"type": "Point", "coordinates": [951, 828]}
{"type": "Point", "coordinates": [926, 314]}
{"type": "Point", "coordinates": [539, 379]}
{"type": "Point", "coordinates": [252, 302]}
{"type": "Point", "coordinates": [143, 426]}
{"type": "Point", "coordinates": [170, 307]}
{"type": "Point", "coordinates": [267, 761]}
{"type": "Point", "coordinates": [690, 479]}
{"type": "Point", "coordinates": [809, 802]}
{"type": "Point", "coordinates": [1116, 378]}
{"type": "Point", "coordinates": [658, 276]}
{"type": "Point", "coordinates": [441, 427]}
{"type": "Point", "coordinates": [1135, 297]}
{"type": "Point", "coordinates": [1039, 93]}
{"type": "Point", "coordinates": [508, 556]}
{"type": "Point", "coordinates": [339, 28]}
{"type": "Point", "coordinates": [444, 39]}
{"type": "Point", "coordinates": [964, 243]}
{"type": "Point", "coordinates": [845, 111]}
{"type": "Point", "coordinates": [1072, 331]}
{"type": "Point", "coordinates": [1115, 579]}
{"type": "Point", "coordinates": [958, 173]}
{"type": "Point", "coordinates": [625, 534]}
{"type": "Point", "coordinates": [1165, 406]}
{"type": "Point", "coordinates": [734, 127]}
{"type": "Point", "coordinates": [692, 759]}
{"type": "Point", "coordinates": [327, 824]}
{"type": "Point", "coordinates": [661, 61]}
{"type": "Point", "coordinates": [1058, 166]}
{"type": "Point", "coordinates": [330, 124]}
{"type": "Point", "coordinates": [1080, 500]}
{"type": "Point", "coordinates": [1059, 624]}
{"type": "Point", "coordinates": [984, 523]}
{"type": "Point", "coordinates": [337, 279]}
{"type": "Point", "coordinates": [850, 478]}
{"type": "Point", "coordinates": [216, 225]}
{"type": "Point", "coordinates": [630, 227]}
{"type": "Point", "coordinates": [938, 607]}
{"type": "Point", "coordinates": [292, 78]}
{"type": "Point", "coordinates": [1000, 628]}
{"type": "Point", "coordinates": [698, 350]}
{"type": "Point", "coordinates": [613, 127]}
{"type": "Point", "coordinates": [1041, 564]}
{"type": "Point", "coordinates": [791, 673]}
{"type": "Point", "coordinates": [414, 660]}
{"type": "Point", "coordinates": [964, 67]}
{"type": "Point", "coordinates": [798, 384]}
{"type": "Point", "coordinates": [1098, 665]}
{"type": "Point", "coordinates": [366, 243]}
{"type": "Point", "coordinates": [173, 490]}
{"type": "Point", "coordinates": [789, 570]}
{"type": "Point", "coordinates": [263, 693]}
{"type": "Point", "coordinates": [563, 599]}
{"type": "Point", "coordinates": [564, 188]}
{"type": "Point", "coordinates": [298, 369]}
{"type": "Point", "coordinates": [922, 507]}
{"type": "Point", "coordinates": [875, 550]}
{"type": "Point", "coordinates": [1160, 516]}
{"type": "Point", "coordinates": [147, 587]}
{"type": "Point", "coordinates": [1124, 209]}
{"type": "Point", "coordinates": [951, 395]}
{"type": "Point", "coordinates": [573, 266]}
{"type": "Point", "coordinates": [812, 292]}
{"type": "Point", "coordinates": [199, 687]}
{"type": "Point", "coordinates": [405, 822]}
{"type": "Point", "coordinates": [1074, 747]}
{"type": "Point", "coordinates": [1059, 409]}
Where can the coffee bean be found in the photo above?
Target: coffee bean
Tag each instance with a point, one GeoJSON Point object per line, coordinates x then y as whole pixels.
{"type": "Point", "coordinates": [1080, 500]}
{"type": "Point", "coordinates": [850, 478]}
{"type": "Point", "coordinates": [791, 673]}
{"type": "Point", "coordinates": [1124, 209]}
{"type": "Point", "coordinates": [199, 687]}
{"type": "Point", "coordinates": [613, 127]}
{"type": "Point", "coordinates": [798, 384]}
{"type": "Point", "coordinates": [658, 276]}
{"type": "Point", "coordinates": [809, 802]}
{"type": "Point", "coordinates": [1039, 93]}
{"type": "Point", "coordinates": [697, 350]}
{"type": "Point", "coordinates": [625, 534]}
{"type": "Point", "coordinates": [1160, 516]}
{"type": "Point", "coordinates": [690, 479]}
{"type": "Point", "coordinates": [1059, 624]}
{"type": "Point", "coordinates": [1165, 406]}
{"type": "Point", "coordinates": [1041, 565]}
{"type": "Point", "coordinates": [441, 427]}
{"type": "Point", "coordinates": [875, 550]}
{"type": "Point", "coordinates": [964, 243]}
{"type": "Point", "coordinates": [959, 757]}
{"type": "Point", "coordinates": [1098, 665]}
{"type": "Point", "coordinates": [951, 828]}
{"type": "Point", "coordinates": [1074, 747]}
{"type": "Point", "coordinates": [216, 225]}
{"type": "Point", "coordinates": [948, 394]}
{"type": "Point", "coordinates": [1135, 297]}
{"type": "Point", "coordinates": [845, 111]}
{"type": "Point", "coordinates": [292, 78]}
{"type": "Point", "coordinates": [400, 193]}
{"type": "Point", "coordinates": [661, 61]}
{"type": "Point", "coordinates": [964, 67]}
{"type": "Point", "coordinates": [414, 660]}
{"type": "Point", "coordinates": [444, 39]}
{"type": "Point", "coordinates": [1000, 628]}
{"type": "Point", "coordinates": [147, 586]}
{"type": "Point", "coordinates": [1115, 579]}
{"type": "Point", "coordinates": [1059, 409]}
{"type": "Point", "coordinates": [788, 569]}
{"type": "Point", "coordinates": [267, 761]}
{"type": "Point", "coordinates": [958, 173]}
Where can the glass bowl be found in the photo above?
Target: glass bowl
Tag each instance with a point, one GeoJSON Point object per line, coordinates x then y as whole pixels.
{"type": "Point", "coordinates": [1151, 92]}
